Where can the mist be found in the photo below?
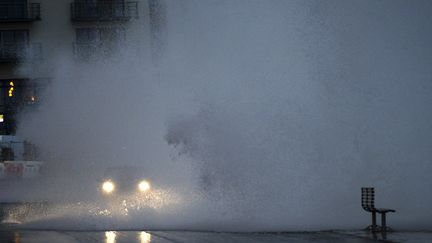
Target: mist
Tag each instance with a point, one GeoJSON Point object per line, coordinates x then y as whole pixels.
{"type": "Point", "coordinates": [258, 116]}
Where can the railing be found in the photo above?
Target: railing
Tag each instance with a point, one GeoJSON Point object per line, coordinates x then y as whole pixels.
{"type": "Point", "coordinates": [19, 12]}
{"type": "Point", "coordinates": [20, 52]}
{"type": "Point", "coordinates": [85, 11]}
{"type": "Point", "coordinates": [91, 50]}
{"type": "Point", "coordinates": [96, 50]}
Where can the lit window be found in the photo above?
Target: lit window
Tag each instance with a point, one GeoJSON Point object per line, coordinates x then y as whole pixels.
{"type": "Point", "coordinates": [1, 118]}
{"type": "Point", "coordinates": [11, 88]}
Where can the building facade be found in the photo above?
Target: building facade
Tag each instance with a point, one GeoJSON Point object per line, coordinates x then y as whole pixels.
{"type": "Point", "coordinates": [35, 33]}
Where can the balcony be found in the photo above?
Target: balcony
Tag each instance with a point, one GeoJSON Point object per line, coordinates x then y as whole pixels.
{"type": "Point", "coordinates": [92, 50]}
{"type": "Point", "coordinates": [105, 11]}
{"type": "Point", "coordinates": [14, 53]}
{"type": "Point", "coordinates": [19, 12]}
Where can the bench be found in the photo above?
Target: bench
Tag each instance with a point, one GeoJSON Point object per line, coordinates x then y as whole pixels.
{"type": "Point", "coordinates": [368, 204]}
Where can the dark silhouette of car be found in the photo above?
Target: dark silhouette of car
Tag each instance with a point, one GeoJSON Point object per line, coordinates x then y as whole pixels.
{"type": "Point", "coordinates": [123, 181]}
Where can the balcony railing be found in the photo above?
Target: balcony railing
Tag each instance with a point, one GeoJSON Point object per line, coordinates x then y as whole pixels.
{"type": "Point", "coordinates": [92, 50]}
{"type": "Point", "coordinates": [97, 50]}
{"type": "Point", "coordinates": [85, 11]}
{"type": "Point", "coordinates": [11, 53]}
{"type": "Point", "coordinates": [19, 12]}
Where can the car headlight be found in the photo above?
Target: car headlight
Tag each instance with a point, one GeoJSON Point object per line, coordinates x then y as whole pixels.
{"type": "Point", "coordinates": [144, 186]}
{"type": "Point", "coordinates": [108, 186]}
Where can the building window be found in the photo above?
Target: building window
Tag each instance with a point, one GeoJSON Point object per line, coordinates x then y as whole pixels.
{"type": "Point", "coordinates": [84, 35]}
{"type": "Point", "coordinates": [13, 9]}
{"type": "Point", "coordinates": [98, 42]}
{"type": "Point", "coordinates": [19, 11]}
{"type": "Point", "coordinates": [13, 44]}
{"type": "Point", "coordinates": [14, 95]}
{"type": "Point", "coordinates": [104, 10]}
{"type": "Point", "coordinates": [12, 36]}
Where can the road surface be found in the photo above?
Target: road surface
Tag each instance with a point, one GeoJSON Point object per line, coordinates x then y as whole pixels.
{"type": "Point", "coordinates": [31, 236]}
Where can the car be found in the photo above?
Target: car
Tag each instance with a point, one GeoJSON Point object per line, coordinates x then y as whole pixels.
{"type": "Point", "coordinates": [127, 187]}
{"type": "Point", "coordinates": [124, 181]}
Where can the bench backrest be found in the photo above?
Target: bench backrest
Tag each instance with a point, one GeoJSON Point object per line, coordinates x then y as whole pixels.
{"type": "Point", "coordinates": [368, 198]}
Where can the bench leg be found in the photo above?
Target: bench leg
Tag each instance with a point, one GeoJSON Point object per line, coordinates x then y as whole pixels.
{"type": "Point", "coordinates": [383, 222]}
{"type": "Point", "coordinates": [374, 225]}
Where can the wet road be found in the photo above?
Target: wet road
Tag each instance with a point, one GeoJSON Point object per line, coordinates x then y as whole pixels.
{"type": "Point", "coordinates": [24, 236]}
{"type": "Point", "coordinates": [167, 237]}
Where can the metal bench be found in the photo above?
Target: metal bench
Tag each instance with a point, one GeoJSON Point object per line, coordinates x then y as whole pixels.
{"type": "Point", "coordinates": [368, 204]}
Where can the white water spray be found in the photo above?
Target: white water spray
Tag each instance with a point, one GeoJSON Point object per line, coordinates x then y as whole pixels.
{"type": "Point", "coordinates": [261, 115]}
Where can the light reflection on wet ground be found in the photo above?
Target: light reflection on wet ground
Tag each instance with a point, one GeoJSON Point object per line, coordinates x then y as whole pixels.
{"type": "Point", "coordinates": [142, 237]}
{"type": "Point", "coordinates": [103, 210]}
{"type": "Point", "coordinates": [24, 236]}
{"type": "Point", "coordinates": [13, 214]}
